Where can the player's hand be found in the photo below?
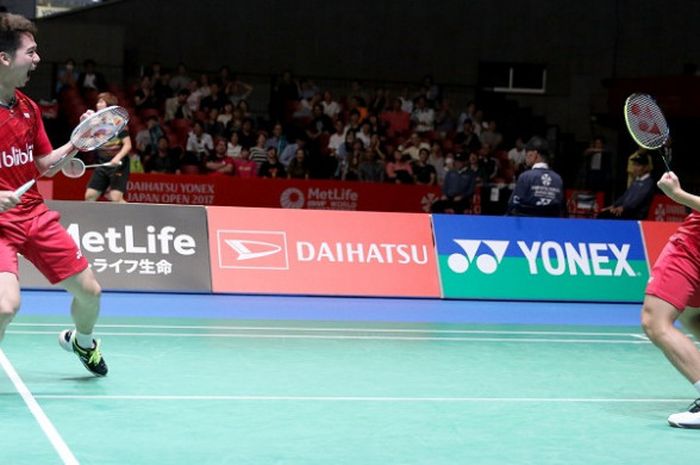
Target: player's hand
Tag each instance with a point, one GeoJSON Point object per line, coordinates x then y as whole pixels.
{"type": "Point", "coordinates": [669, 184]}
{"type": "Point", "coordinates": [8, 200]}
{"type": "Point", "coordinates": [87, 114]}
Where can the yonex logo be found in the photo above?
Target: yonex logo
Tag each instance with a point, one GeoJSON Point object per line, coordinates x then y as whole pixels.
{"type": "Point", "coordinates": [487, 262]}
{"type": "Point", "coordinates": [551, 257]}
{"type": "Point", "coordinates": [264, 250]}
{"type": "Point", "coordinates": [646, 119]}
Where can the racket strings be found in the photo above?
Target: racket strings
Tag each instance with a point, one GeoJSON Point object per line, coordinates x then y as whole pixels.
{"type": "Point", "coordinates": [646, 121]}
{"type": "Point", "coordinates": [73, 168]}
{"type": "Point", "coordinates": [99, 128]}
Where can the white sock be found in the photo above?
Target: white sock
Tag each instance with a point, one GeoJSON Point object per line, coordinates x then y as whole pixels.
{"type": "Point", "coordinates": [84, 340]}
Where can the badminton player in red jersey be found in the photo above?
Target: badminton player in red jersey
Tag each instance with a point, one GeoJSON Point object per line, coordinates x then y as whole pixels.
{"type": "Point", "coordinates": [27, 226]}
{"type": "Point", "coordinates": [673, 293]}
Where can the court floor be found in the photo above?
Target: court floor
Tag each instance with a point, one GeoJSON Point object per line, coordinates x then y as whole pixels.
{"type": "Point", "coordinates": [282, 380]}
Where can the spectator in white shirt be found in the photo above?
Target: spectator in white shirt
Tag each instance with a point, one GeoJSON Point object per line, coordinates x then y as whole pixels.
{"type": "Point", "coordinates": [338, 138]}
{"type": "Point", "coordinates": [330, 106]}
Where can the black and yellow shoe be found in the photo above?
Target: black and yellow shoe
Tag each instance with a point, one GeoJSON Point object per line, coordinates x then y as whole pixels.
{"type": "Point", "coordinates": [91, 358]}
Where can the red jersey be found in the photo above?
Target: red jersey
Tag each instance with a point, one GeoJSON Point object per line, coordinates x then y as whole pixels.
{"type": "Point", "coordinates": [245, 168]}
{"type": "Point", "coordinates": [22, 139]}
{"type": "Point", "coordinates": [691, 228]}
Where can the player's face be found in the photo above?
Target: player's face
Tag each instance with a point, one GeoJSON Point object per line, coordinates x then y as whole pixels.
{"type": "Point", "coordinates": [24, 61]}
{"type": "Point", "coordinates": [101, 104]}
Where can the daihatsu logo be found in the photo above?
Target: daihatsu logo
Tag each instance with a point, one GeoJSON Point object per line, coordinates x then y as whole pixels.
{"type": "Point", "coordinates": [263, 250]}
{"type": "Point", "coordinates": [248, 250]}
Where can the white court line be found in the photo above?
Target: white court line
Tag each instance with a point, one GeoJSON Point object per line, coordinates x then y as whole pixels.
{"type": "Point", "coordinates": [591, 400]}
{"type": "Point", "coordinates": [46, 426]}
{"type": "Point", "coordinates": [348, 330]}
{"type": "Point", "coordinates": [370, 338]}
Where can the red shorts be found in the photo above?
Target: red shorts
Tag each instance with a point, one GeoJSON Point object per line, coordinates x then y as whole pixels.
{"type": "Point", "coordinates": [675, 277]}
{"type": "Point", "coordinates": [44, 242]}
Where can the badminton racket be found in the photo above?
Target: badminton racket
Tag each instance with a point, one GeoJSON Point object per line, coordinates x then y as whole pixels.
{"type": "Point", "coordinates": [75, 167]}
{"type": "Point", "coordinates": [647, 125]}
{"type": "Point", "coordinates": [93, 132]}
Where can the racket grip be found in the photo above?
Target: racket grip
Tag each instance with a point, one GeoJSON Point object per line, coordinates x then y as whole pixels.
{"type": "Point", "coordinates": [21, 190]}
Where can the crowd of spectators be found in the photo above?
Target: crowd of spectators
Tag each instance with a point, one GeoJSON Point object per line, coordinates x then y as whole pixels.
{"type": "Point", "coordinates": [183, 122]}
{"type": "Point", "coordinates": [187, 123]}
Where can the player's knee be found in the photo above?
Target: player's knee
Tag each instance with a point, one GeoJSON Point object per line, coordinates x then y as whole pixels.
{"type": "Point", "coordinates": [653, 324]}
{"type": "Point", "coordinates": [8, 307]}
{"type": "Point", "coordinates": [89, 291]}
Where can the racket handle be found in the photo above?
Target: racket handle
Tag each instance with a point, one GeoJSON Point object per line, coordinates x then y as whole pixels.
{"type": "Point", "coordinates": [21, 190]}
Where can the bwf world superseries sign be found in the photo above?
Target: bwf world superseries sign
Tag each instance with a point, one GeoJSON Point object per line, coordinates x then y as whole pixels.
{"type": "Point", "coordinates": [136, 247]}
{"type": "Point", "coordinates": [540, 259]}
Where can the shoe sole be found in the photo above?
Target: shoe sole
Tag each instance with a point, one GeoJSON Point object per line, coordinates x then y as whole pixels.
{"type": "Point", "coordinates": [679, 425]}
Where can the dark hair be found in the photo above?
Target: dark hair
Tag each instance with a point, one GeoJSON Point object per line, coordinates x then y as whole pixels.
{"type": "Point", "coordinates": [11, 28]}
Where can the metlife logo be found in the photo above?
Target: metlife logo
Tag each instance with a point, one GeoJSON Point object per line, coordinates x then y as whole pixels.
{"type": "Point", "coordinates": [540, 259]}
{"type": "Point", "coordinates": [141, 247]}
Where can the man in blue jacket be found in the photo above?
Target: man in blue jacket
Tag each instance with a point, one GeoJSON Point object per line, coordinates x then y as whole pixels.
{"type": "Point", "coordinates": [457, 189]}
{"type": "Point", "coordinates": [539, 191]}
{"type": "Point", "coordinates": [634, 203]}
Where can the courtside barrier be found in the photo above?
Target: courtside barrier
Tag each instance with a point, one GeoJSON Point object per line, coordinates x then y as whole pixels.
{"type": "Point", "coordinates": [664, 209]}
{"type": "Point", "coordinates": [540, 259]}
{"type": "Point", "coordinates": [136, 247]}
{"type": "Point", "coordinates": [311, 252]}
{"type": "Point", "coordinates": [279, 251]}
{"type": "Point", "coordinates": [261, 193]}
{"type": "Point", "coordinates": [655, 235]}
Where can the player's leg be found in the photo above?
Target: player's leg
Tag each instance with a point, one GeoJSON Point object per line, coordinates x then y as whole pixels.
{"type": "Point", "coordinates": [658, 318]}
{"type": "Point", "coordinates": [85, 309]}
{"type": "Point", "coordinates": [99, 181]}
{"type": "Point", "coordinates": [11, 236]}
{"type": "Point", "coordinates": [9, 300]}
{"type": "Point", "coordinates": [690, 318]}
{"type": "Point", "coordinates": [118, 182]}
{"type": "Point", "coordinates": [56, 255]}
{"type": "Point", "coordinates": [115, 196]}
{"type": "Point", "coordinates": [91, 195]}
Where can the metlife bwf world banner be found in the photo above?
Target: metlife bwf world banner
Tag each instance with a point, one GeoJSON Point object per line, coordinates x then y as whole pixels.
{"type": "Point", "coordinates": [540, 259]}
{"type": "Point", "coordinates": [136, 247]}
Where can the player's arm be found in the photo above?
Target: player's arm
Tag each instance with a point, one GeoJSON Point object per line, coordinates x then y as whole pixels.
{"type": "Point", "coordinates": [44, 163]}
{"type": "Point", "coordinates": [68, 150]}
{"type": "Point", "coordinates": [670, 186]}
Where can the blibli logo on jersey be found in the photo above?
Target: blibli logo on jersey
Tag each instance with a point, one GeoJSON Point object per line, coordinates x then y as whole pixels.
{"type": "Point", "coordinates": [549, 257]}
{"type": "Point", "coordinates": [17, 157]}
